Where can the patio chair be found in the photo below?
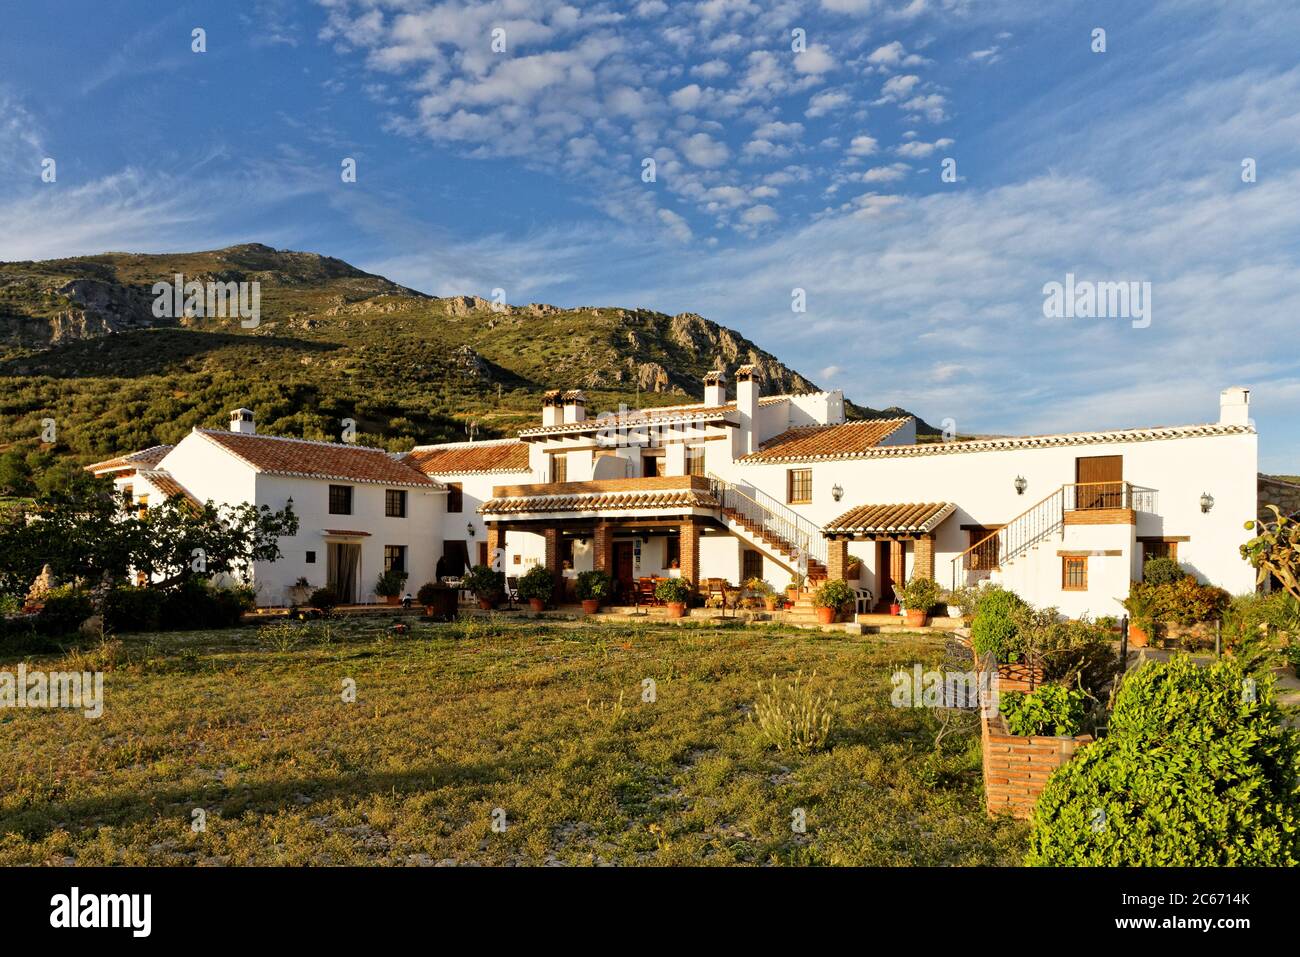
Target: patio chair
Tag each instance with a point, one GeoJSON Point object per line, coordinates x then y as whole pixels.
{"type": "Point", "coordinates": [718, 587]}
{"type": "Point", "coordinates": [865, 600]}
{"type": "Point", "coordinates": [646, 591]}
{"type": "Point", "coordinates": [512, 588]}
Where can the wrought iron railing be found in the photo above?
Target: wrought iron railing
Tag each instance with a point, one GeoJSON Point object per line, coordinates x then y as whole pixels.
{"type": "Point", "coordinates": [777, 521]}
{"type": "Point", "coordinates": [1042, 519]}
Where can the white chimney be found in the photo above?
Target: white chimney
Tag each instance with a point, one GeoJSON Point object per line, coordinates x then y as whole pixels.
{"type": "Point", "coordinates": [747, 392]}
{"type": "Point", "coordinates": [241, 421]}
{"type": "Point", "coordinates": [551, 408]}
{"type": "Point", "coordinates": [715, 388]}
{"type": "Point", "coordinates": [575, 406]}
{"type": "Point", "coordinates": [1234, 406]}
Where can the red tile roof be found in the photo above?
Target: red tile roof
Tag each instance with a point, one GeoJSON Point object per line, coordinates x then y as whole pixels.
{"type": "Point", "coordinates": [165, 483]}
{"type": "Point", "coordinates": [145, 458]}
{"type": "Point", "coordinates": [890, 519]}
{"type": "Point", "coordinates": [325, 460]}
{"type": "Point", "coordinates": [466, 457]}
{"type": "Point", "coordinates": [669, 498]}
{"type": "Point", "coordinates": [808, 442]}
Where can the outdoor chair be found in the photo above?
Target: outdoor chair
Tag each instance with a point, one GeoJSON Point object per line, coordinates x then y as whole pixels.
{"type": "Point", "coordinates": [865, 600]}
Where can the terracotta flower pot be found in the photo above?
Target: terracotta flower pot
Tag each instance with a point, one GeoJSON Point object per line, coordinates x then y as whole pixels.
{"type": "Point", "coordinates": [793, 593]}
{"type": "Point", "coordinates": [485, 604]}
{"type": "Point", "coordinates": [537, 604]}
{"type": "Point", "coordinates": [825, 615]}
{"type": "Point", "coordinates": [770, 603]}
{"type": "Point", "coordinates": [676, 609]}
{"type": "Point", "coordinates": [428, 611]}
{"type": "Point", "coordinates": [590, 606]}
{"type": "Point", "coordinates": [916, 617]}
{"type": "Point", "coordinates": [1137, 637]}
{"type": "Point", "coordinates": [895, 608]}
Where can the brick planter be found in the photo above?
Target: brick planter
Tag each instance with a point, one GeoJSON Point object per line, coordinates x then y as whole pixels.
{"type": "Point", "coordinates": [1015, 677]}
{"type": "Point", "coordinates": [1016, 767]}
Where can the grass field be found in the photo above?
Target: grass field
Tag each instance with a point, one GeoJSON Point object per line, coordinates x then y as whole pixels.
{"type": "Point", "coordinates": [544, 721]}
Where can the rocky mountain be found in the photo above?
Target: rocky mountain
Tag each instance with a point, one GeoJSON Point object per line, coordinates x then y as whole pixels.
{"type": "Point", "coordinates": [82, 343]}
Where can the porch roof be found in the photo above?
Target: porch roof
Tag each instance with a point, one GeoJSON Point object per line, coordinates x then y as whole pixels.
{"type": "Point", "coordinates": [649, 500]}
{"type": "Point", "coordinates": [866, 521]}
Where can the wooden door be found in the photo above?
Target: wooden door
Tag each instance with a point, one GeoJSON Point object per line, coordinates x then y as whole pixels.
{"type": "Point", "coordinates": [1101, 481]}
{"type": "Point", "coordinates": [751, 565]}
{"type": "Point", "coordinates": [884, 577]}
{"type": "Point", "coordinates": [623, 572]}
{"type": "Point", "coordinates": [482, 553]}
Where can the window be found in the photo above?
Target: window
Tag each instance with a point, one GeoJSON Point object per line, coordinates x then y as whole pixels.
{"type": "Point", "coordinates": [798, 486]}
{"type": "Point", "coordinates": [128, 498]}
{"type": "Point", "coordinates": [1074, 573]}
{"type": "Point", "coordinates": [559, 467]}
{"type": "Point", "coordinates": [311, 558]}
{"type": "Point", "coordinates": [395, 503]}
{"type": "Point", "coordinates": [673, 552]}
{"type": "Point", "coordinates": [751, 565]}
{"type": "Point", "coordinates": [987, 556]}
{"type": "Point", "coordinates": [455, 497]}
{"type": "Point", "coordinates": [1159, 548]}
{"type": "Point", "coordinates": [566, 552]}
{"type": "Point", "coordinates": [652, 464]}
{"type": "Point", "coordinates": [340, 499]}
{"type": "Point", "coordinates": [142, 505]}
{"type": "Point", "coordinates": [695, 460]}
{"type": "Point", "coordinates": [394, 558]}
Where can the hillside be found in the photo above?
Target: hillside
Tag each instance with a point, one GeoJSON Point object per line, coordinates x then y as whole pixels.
{"type": "Point", "coordinates": [79, 343]}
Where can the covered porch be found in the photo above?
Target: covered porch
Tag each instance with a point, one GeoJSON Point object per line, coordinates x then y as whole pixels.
{"type": "Point", "coordinates": [890, 528]}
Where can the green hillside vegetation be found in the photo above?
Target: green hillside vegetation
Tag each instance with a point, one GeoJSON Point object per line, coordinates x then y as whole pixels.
{"type": "Point", "coordinates": [79, 344]}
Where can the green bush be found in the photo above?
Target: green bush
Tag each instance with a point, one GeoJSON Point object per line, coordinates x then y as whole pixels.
{"type": "Point", "coordinates": [324, 600]}
{"type": "Point", "coordinates": [1184, 601]}
{"type": "Point", "coordinates": [65, 609]}
{"type": "Point", "coordinates": [922, 593]}
{"type": "Point", "coordinates": [391, 583]}
{"type": "Point", "coordinates": [1077, 654]}
{"type": "Point", "coordinates": [834, 593]}
{"type": "Point", "coordinates": [994, 632]}
{"type": "Point", "coordinates": [195, 605]}
{"type": "Point", "coordinates": [673, 590]}
{"type": "Point", "coordinates": [1050, 709]}
{"type": "Point", "coordinates": [594, 585]}
{"type": "Point", "coordinates": [537, 582]}
{"type": "Point", "coordinates": [485, 583]}
{"type": "Point", "coordinates": [1198, 770]}
{"type": "Point", "coordinates": [133, 609]}
{"type": "Point", "coordinates": [1162, 571]}
{"type": "Point", "coordinates": [429, 593]}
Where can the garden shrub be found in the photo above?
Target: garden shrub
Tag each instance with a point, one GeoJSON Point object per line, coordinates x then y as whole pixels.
{"type": "Point", "coordinates": [1077, 654]}
{"type": "Point", "coordinates": [65, 609]}
{"type": "Point", "coordinates": [194, 604]}
{"type": "Point", "coordinates": [128, 608]}
{"type": "Point", "coordinates": [835, 593]}
{"type": "Point", "coordinates": [485, 583]}
{"type": "Point", "coordinates": [1162, 571]}
{"type": "Point", "coordinates": [594, 585]}
{"type": "Point", "coordinates": [537, 582]}
{"type": "Point", "coordinates": [995, 633]}
{"type": "Point", "coordinates": [1049, 709]}
{"type": "Point", "coordinates": [1198, 769]}
{"type": "Point", "coordinates": [673, 590]}
{"type": "Point", "coordinates": [323, 600]}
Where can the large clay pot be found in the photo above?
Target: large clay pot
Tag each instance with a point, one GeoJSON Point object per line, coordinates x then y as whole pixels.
{"type": "Point", "coordinates": [1137, 637]}
{"type": "Point", "coordinates": [826, 615]}
{"type": "Point", "coordinates": [537, 604]}
{"type": "Point", "coordinates": [770, 603]}
{"type": "Point", "coordinates": [916, 617]}
{"type": "Point", "coordinates": [676, 609]}
{"type": "Point", "coordinates": [590, 606]}
{"type": "Point", "coordinates": [485, 604]}
{"type": "Point", "coordinates": [392, 599]}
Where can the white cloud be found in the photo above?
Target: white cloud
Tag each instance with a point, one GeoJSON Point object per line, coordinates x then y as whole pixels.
{"type": "Point", "coordinates": [759, 215]}
{"type": "Point", "coordinates": [676, 225]}
{"type": "Point", "coordinates": [863, 145]}
{"type": "Point", "coordinates": [816, 59]}
{"type": "Point", "coordinates": [916, 149]}
{"type": "Point", "coordinates": [687, 98]}
{"type": "Point", "coordinates": [703, 150]}
{"type": "Point", "coordinates": [826, 102]}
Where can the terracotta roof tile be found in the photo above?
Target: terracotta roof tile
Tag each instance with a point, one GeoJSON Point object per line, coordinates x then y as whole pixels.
{"type": "Point", "coordinates": [672, 498]}
{"type": "Point", "coordinates": [887, 519]}
{"type": "Point", "coordinates": [466, 457]}
{"type": "Point", "coordinates": [807, 442]}
{"type": "Point", "coordinates": [145, 458]}
{"type": "Point", "coordinates": [165, 483]}
{"type": "Point", "coordinates": [275, 455]}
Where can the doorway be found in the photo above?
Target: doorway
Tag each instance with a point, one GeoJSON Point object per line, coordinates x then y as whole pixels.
{"type": "Point", "coordinates": [343, 570]}
{"type": "Point", "coordinates": [623, 569]}
{"type": "Point", "coordinates": [884, 577]}
{"type": "Point", "coordinates": [1101, 481]}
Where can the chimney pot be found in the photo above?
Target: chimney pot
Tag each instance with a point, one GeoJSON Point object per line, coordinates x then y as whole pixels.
{"type": "Point", "coordinates": [241, 421]}
{"type": "Point", "coordinates": [1234, 406]}
{"type": "Point", "coordinates": [715, 388]}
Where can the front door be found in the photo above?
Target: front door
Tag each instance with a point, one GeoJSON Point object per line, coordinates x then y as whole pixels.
{"type": "Point", "coordinates": [623, 572]}
{"type": "Point", "coordinates": [343, 570]}
{"type": "Point", "coordinates": [884, 577]}
{"type": "Point", "coordinates": [1101, 481]}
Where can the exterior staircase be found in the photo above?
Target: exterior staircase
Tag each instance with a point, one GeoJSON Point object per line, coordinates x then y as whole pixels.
{"type": "Point", "coordinates": [772, 527]}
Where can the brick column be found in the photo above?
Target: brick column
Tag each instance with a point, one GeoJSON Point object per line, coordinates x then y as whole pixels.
{"type": "Point", "coordinates": [496, 539]}
{"type": "Point", "coordinates": [897, 564]}
{"type": "Point", "coordinates": [923, 567]}
{"type": "Point", "coordinates": [691, 552]}
{"type": "Point", "coordinates": [552, 537]}
{"type": "Point", "coordinates": [837, 558]}
{"type": "Point", "coordinates": [603, 548]}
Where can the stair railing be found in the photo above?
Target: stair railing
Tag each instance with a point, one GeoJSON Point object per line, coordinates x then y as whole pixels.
{"type": "Point", "coordinates": [773, 517]}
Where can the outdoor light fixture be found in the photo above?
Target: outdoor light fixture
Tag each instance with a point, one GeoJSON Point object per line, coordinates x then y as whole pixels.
{"type": "Point", "coordinates": [1021, 485]}
{"type": "Point", "coordinates": [1207, 501]}
{"type": "Point", "coordinates": [837, 492]}
{"type": "Point", "coordinates": [469, 527]}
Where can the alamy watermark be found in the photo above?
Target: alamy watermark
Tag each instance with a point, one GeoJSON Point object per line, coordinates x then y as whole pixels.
{"type": "Point", "coordinates": [212, 300]}
{"type": "Point", "coordinates": [54, 689]}
{"type": "Point", "coordinates": [932, 688]}
{"type": "Point", "coordinates": [1084, 299]}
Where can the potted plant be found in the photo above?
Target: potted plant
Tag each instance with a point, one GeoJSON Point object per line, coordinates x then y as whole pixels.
{"type": "Point", "coordinates": [486, 584]}
{"type": "Point", "coordinates": [853, 569]}
{"type": "Point", "coordinates": [764, 592]}
{"type": "Point", "coordinates": [390, 584]}
{"type": "Point", "coordinates": [674, 593]}
{"type": "Point", "coordinates": [1142, 605]}
{"type": "Point", "coordinates": [438, 600]}
{"type": "Point", "coordinates": [301, 590]}
{"type": "Point", "coordinates": [830, 598]}
{"type": "Point", "coordinates": [591, 587]}
{"type": "Point", "coordinates": [537, 585]}
{"type": "Point", "coordinates": [919, 596]}
{"type": "Point", "coordinates": [795, 586]}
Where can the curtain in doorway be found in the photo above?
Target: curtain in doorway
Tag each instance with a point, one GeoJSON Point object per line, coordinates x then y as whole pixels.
{"type": "Point", "coordinates": [346, 564]}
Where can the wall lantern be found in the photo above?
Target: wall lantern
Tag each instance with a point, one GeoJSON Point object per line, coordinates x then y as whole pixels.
{"type": "Point", "coordinates": [1021, 485]}
{"type": "Point", "coordinates": [1207, 501]}
{"type": "Point", "coordinates": [469, 527]}
{"type": "Point", "coordinates": [837, 492]}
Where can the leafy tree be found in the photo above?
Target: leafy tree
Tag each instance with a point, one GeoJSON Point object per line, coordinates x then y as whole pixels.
{"type": "Point", "coordinates": [1275, 551]}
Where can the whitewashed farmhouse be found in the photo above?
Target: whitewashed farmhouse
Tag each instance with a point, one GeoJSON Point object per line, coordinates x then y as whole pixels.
{"type": "Point", "coordinates": [735, 488]}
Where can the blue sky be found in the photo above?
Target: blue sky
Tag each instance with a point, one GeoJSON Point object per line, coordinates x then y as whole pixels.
{"type": "Point", "coordinates": [778, 166]}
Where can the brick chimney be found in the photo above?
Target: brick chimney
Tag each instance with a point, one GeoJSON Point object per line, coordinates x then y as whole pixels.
{"type": "Point", "coordinates": [715, 388]}
{"type": "Point", "coordinates": [747, 394]}
{"type": "Point", "coordinates": [551, 411]}
{"type": "Point", "coordinates": [575, 406]}
{"type": "Point", "coordinates": [1234, 406]}
{"type": "Point", "coordinates": [241, 421]}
